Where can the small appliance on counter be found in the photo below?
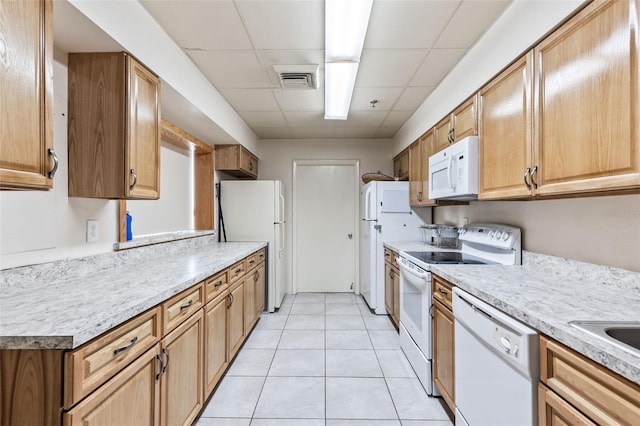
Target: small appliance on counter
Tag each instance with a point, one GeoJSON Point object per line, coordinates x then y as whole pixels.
{"type": "Point", "coordinates": [481, 243]}
{"type": "Point", "coordinates": [441, 236]}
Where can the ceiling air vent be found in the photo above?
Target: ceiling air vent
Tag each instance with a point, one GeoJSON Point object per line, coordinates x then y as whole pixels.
{"type": "Point", "coordinates": [297, 76]}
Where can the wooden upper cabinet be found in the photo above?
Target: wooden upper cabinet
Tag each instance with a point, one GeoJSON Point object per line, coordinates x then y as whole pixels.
{"type": "Point", "coordinates": [401, 165]}
{"type": "Point", "coordinates": [462, 122]}
{"type": "Point", "coordinates": [505, 132]}
{"type": "Point", "coordinates": [27, 159]}
{"type": "Point", "coordinates": [114, 127]}
{"type": "Point", "coordinates": [237, 161]}
{"type": "Point", "coordinates": [419, 153]}
{"type": "Point", "coordinates": [587, 119]}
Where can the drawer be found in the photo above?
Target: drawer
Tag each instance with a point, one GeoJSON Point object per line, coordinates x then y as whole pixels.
{"type": "Point", "coordinates": [553, 410]}
{"type": "Point", "coordinates": [95, 362]}
{"type": "Point", "coordinates": [236, 271]}
{"type": "Point", "coordinates": [261, 255]}
{"type": "Point", "coordinates": [597, 392]}
{"type": "Point", "coordinates": [387, 255]}
{"type": "Point", "coordinates": [252, 261]}
{"type": "Point", "coordinates": [216, 284]}
{"type": "Point", "coordinates": [181, 306]}
{"type": "Point", "coordinates": [442, 291]}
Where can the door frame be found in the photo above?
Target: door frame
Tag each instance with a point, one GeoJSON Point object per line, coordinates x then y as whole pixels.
{"type": "Point", "coordinates": [356, 216]}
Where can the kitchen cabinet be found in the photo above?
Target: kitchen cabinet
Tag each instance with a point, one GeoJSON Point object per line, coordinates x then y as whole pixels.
{"type": "Point", "coordinates": [401, 165]}
{"type": "Point", "coordinates": [443, 339]}
{"type": "Point", "coordinates": [181, 306]}
{"type": "Point", "coordinates": [506, 132]}
{"type": "Point", "coordinates": [237, 161]}
{"type": "Point", "coordinates": [462, 122]}
{"type": "Point", "coordinates": [249, 302]}
{"type": "Point", "coordinates": [181, 380]}
{"type": "Point", "coordinates": [392, 286]}
{"type": "Point", "coordinates": [575, 390]}
{"type": "Point", "coordinates": [114, 127]}
{"type": "Point", "coordinates": [27, 158]}
{"type": "Point", "coordinates": [215, 341]}
{"type": "Point", "coordinates": [235, 318]}
{"type": "Point", "coordinates": [586, 123]}
{"type": "Point", "coordinates": [260, 283]}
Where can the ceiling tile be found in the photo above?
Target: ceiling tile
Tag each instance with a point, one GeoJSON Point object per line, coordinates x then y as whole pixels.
{"type": "Point", "coordinates": [273, 132]}
{"type": "Point", "coordinates": [313, 133]}
{"type": "Point", "coordinates": [408, 24]}
{"type": "Point", "coordinates": [284, 24]}
{"type": "Point", "coordinates": [251, 99]}
{"type": "Point", "coordinates": [386, 97]}
{"type": "Point", "coordinates": [396, 119]}
{"type": "Point", "coordinates": [208, 25]}
{"type": "Point", "coordinates": [300, 100]}
{"type": "Point", "coordinates": [231, 69]}
{"type": "Point", "coordinates": [263, 119]}
{"type": "Point", "coordinates": [362, 119]}
{"type": "Point", "coordinates": [475, 17]}
{"type": "Point", "coordinates": [386, 132]}
{"type": "Point", "coordinates": [412, 98]}
{"type": "Point", "coordinates": [438, 63]}
{"type": "Point", "coordinates": [388, 67]}
{"type": "Point", "coordinates": [308, 119]}
{"type": "Point", "coordinates": [355, 132]}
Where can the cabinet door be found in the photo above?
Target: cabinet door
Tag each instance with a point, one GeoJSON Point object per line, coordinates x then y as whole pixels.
{"type": "Point", "coordinates": [181, 385]}
{"type": "Point", "coordinates": [587, 126]}
{"type": "Point", "coordinates": [426, 147]}
{"type": "Point", "coordinates": [443, 347]}
{"type": "Point", "coordinates": [143, 128]}
{"type": "Point", "coordinates": [506, 132]}
{"type": "Point", "coordinates": [215, 341]}
{"type": "Point", "coordinates": [249, 302]}
{"type": "Point", "coordinates": [248, 162]}
{"type": "Point", "coordinates": [396, 295]}
{"type": "Point", "coordinates": [235, 319]}
{"type": "Point", "coordinates": [388, 288]}
{"type": "Point", "coordinates": [555, 411]}
{"type": "Point", "coordinates": [260, 289]}
{"type": "Point", "coordinates": [26, 103]}
{"type": "Point", "coordinates": [401, 165]}
{"type": "Point", "coordinates": [415, 173]}
{"type": "Point", "coordinates": [132, 397]}
{"type": "Point", "coordinates": [464, 119]}
{"type": "Point", "coordinates": [442, 135]}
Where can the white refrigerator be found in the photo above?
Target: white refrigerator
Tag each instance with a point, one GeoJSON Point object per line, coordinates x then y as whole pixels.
{"type": "Point", "coordinates": [254, 211]}
{"type": "Point", "coordinates": [385, 216]}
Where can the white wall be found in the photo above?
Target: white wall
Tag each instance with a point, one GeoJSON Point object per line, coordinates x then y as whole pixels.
{"type": "Point", "coordinates": [276, 162]}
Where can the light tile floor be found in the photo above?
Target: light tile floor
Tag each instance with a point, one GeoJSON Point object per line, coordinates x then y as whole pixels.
{"type": "Point", "coordinates": [323, 359]}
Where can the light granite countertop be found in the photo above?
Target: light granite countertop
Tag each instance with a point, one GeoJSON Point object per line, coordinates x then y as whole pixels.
{"type": "Point", "coordinates": [548, 292]}
{"type": "Point", "coordinates": [38, 312]}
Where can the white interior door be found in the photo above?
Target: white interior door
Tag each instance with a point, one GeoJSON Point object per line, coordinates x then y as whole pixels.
{"type": "Point", "coordinates": [325, 215]}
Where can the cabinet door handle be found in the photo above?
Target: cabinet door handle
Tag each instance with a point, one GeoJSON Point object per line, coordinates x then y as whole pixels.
{"type": "Point", "coordinates": [162, 368]}
{"type": "Point", "coordinates": [53, 155]}
{"type": "Point", "coordinates": [135, 178]}
{"type": "Point", "coordinates": [420, 196]}
{"type": "Point", "coordinates": [231, 299]}
{"type": "Point", "coordinates": [526, 173]}
{"type": "Point", "coordinates": [533, 172]}
{"type": "Point", "coordinates": [186, 305]}
{"type": "Point", "coordinates": [166, 364]}
{"type": "Point", "coordinates": [250, 166]}
{"type": "Point", "coordinates": [391, 274]}
{"type": "Point", "coordinates": [126, 347]}
{"type": "Point", "coordinates": [257, 275]}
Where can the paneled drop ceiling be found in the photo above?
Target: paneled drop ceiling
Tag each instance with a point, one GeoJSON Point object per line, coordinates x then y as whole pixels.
{"type": "Point", "coordinates": [410, 46]}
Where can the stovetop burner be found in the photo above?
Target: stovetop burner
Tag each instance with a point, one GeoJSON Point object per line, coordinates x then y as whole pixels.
{"type": "Point", "coordinates": [447, 257]}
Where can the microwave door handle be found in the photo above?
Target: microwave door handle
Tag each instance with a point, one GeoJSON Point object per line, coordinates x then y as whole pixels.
{"type": "Point", "coordinates": [449, 180]}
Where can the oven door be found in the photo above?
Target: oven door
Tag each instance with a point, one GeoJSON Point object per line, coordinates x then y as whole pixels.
{"type": "Point", "coordinates": [415, 304]}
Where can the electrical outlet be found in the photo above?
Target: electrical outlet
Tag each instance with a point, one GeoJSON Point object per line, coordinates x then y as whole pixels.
{"type": "Point", "coordinates": [92, 231]}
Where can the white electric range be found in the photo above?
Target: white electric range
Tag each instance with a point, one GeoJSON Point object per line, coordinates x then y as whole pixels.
{"type": "Point", "coordinates": [482, 243]}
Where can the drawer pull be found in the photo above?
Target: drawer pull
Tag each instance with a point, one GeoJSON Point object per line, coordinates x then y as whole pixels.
{"type": "Point", "coordinates": [238, 270]}
{"type": "Point", "coordinates": [441, 291]}
{"type": "Point", "coordinates": [251, 262]}
{"type": "Point", "coordinates": [186, 305]}
{"type": "Point", "coordinates": [126, 347]}
{"type": "Point", "coordinates": [218, 284]}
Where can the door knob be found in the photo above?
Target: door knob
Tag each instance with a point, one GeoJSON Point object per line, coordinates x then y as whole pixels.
{"type": "Point", "coordinates": [350, 236]}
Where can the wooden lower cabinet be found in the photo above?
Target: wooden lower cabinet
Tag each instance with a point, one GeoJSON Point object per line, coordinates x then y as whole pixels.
{"type": "Point", "coordinates": [388, 288]}
{"type": "Point", "coordinates": [555, 411]}
{"type": "Point", "coordinates": [132, 397]}
{"type": "Point", "coordinates": [249, 302]}
{"type": "Point", "coordinates": [260, 289]}
{"type": "Point", "coordinates": [215, 341]}
{"type": "Point", "coordinates": [181, 384]}
{"type": "Point", "coordinates": [392, 287]}
{"type": "Point", "coordinates": [395, 279]}
{"type": "Point", "coordinates": [235, 319]}
{"type": "Point", "coordinates": [443, 352]}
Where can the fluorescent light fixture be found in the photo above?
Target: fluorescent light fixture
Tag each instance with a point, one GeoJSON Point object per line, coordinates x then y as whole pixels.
{"type": "Point", "coordinates": [339, 80]}
{"type": "Point", "coordinates": [346, 24]}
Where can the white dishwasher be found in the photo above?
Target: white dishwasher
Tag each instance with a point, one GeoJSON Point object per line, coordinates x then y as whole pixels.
{"type": "Point", "coordinates": [496, 366]}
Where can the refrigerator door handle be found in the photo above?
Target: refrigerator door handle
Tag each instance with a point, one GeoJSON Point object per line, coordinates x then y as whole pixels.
{"type": "Point", "coordinates": [369, 207]}
{"type": "Point", "coordinates": [281, 218]}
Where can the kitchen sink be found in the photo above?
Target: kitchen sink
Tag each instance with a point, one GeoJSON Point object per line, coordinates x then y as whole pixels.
{"type": "Point", "coordinates": [624, 334]}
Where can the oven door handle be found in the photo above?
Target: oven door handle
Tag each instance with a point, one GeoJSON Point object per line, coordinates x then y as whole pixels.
{"type": "Point", "coordinates": [411, 271]}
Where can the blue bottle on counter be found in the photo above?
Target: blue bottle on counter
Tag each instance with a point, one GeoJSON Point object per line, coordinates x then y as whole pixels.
{"type": "Point", "coordinates": [129, 234]}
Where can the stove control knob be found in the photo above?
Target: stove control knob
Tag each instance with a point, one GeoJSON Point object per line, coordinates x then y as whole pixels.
{"type": "Point", "coordinates": [498, 234]}
{"type": "Point", "coordinates": [505, 236]}
{"type": "Point", "coordinates": [491, 234]}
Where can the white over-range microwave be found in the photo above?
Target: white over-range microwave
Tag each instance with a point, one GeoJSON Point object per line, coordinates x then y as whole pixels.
{"type": "Point", "coordinates": [453, 172]}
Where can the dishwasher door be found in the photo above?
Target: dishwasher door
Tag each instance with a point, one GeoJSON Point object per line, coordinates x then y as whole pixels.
{"type": "Point", "coordinates": [496, 366]}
